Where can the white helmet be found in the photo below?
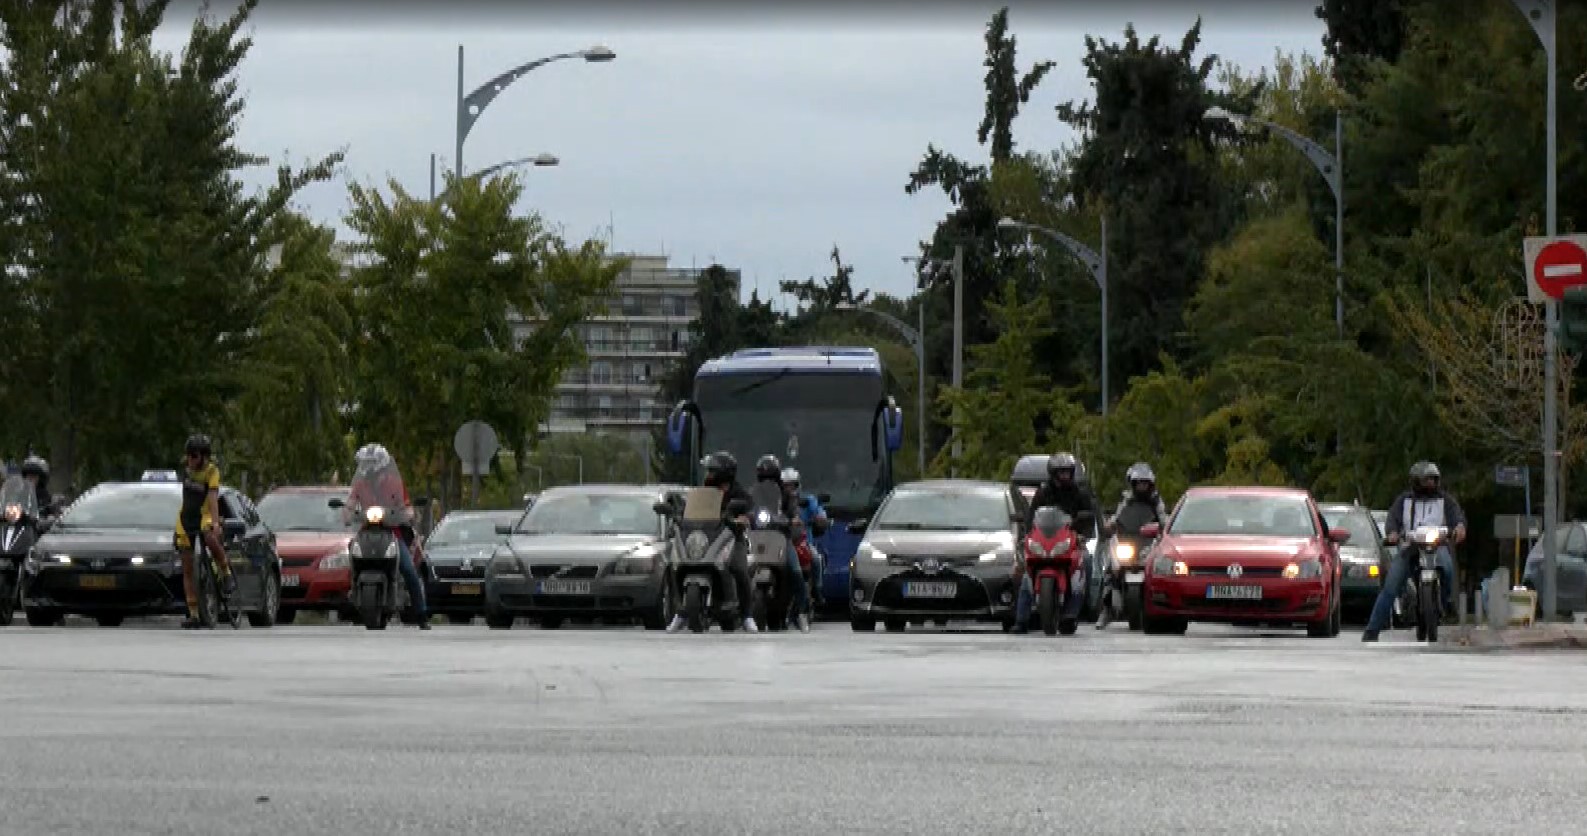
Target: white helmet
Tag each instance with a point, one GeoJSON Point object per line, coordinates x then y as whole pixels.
{"type": "Point", "coordinates": [790, 476]}
{"type": "Point", "coordinates": [372, 456]}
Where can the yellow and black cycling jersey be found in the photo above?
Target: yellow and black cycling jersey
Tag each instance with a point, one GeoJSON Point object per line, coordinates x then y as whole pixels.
{"type": "Point", "coordinates": [194, 516]}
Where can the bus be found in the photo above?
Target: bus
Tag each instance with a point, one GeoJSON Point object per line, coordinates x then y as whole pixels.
{"type": "Point", "coordinates": [822, 410]}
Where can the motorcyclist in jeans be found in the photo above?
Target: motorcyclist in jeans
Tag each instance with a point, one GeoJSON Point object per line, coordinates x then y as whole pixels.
{"type": "Point", "coordinates": [1062, 491]}
{"type": "Point", "coordinates": [721, 472]}
{"type": "Point", "coordinates": [1140, 505]}
{"type": "Point", "coordinates": [769, 469]}
{"type": "Point", "coordinates": [1426, 503]}
{"type": "Point", "coordinates": [375, 459]}
{"type": "Point", "coordinates": [815, 522]}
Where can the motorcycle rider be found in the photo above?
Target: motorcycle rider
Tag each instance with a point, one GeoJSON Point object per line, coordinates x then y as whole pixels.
{"type": "Point", "coordinates": [375, 458]}
{"type": "Point", "coordinates": [769, 469]}
{"type": "Point", "coordinates": [37, 473]}
{"type": "Point", "coordinates": [1141, 504]}
{"type": "Point", "coordinates": [1062, 491]}
{"type": "Point", "coordinates": [721, 472]}
{"type": "Point", "coordinates": [815, 522]}
{"type": "Point", "coordinates": [197, 518]}
{"type": "Point", "coordinates": [1426, 503]}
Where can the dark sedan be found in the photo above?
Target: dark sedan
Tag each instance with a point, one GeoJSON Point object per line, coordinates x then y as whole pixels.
{"type": "Point", "coordinates": [1361, 559]}
{"type": "Point", "coordinates": [112, 555]}
{"type": "Point", "coordinates": [458, 551]}
{"type": "Point", "coordinates": [583, 551]}
{"type": "Point", "coordinates": [939, 550]}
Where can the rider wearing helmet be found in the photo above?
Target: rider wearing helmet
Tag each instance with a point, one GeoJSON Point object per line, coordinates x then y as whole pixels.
{"type": "Point", "coordinates": [1064, 491]}
{"type": "Point", "coordinates": [1426, 503]}
{"type": "Point", "coordinates": [36, 471]}
{"type": "Point", "coordinates": [197, 517]}
{"type": "Point", "coordinates": [376, 459]}
{"type": "Point", "coordinates": [815, 521]}
{"type": "Point", "coordinates": [721, 472]}
{"type": "Point", "coordinates": [1140, 505]}
{"type": "Point", "coordinates": [769, 469]}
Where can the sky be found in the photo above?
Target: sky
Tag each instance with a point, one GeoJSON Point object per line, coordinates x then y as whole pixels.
{"type": "Point", "coordinates": [757, 137]}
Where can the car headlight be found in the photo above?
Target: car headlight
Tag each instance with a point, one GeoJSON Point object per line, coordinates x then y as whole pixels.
{"type": "Point", "coordinates": [340, 560]}
{"type": "Point", "coordinates": [1124, 552]}
{"type": "Point", "coordinates": [1311, 568]}
{"type": "Point", "coordinates": [997, 556]}
{"type": "Point", "coordinates": [135, 560]}
{"type": "Point", "coordinates": [872, 552]}
{"type": "Point", "coordinates": [640, 561]}
{"type": "Point", "coordinates": [506, 564]}
{"type": "Point", "coordinates": [1180, 568]}
{"type": "Point", "coordinates": [696, 544]}
{"type": "Point", "coordinates": [375, 515]}
{"type": "Point", "coordinates": [1164, 565]}
{"type": "Point", "coordinates": [1373, 570]}
{"type": "Point", "coordinates": [62, 559]}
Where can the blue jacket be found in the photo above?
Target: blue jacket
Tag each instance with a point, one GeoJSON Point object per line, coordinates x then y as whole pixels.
{"type": "Point", "coordinates": [809, 509]}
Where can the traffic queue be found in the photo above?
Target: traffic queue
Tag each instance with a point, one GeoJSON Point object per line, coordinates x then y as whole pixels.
{"type": "Point", "coordinates": [1035, 552]}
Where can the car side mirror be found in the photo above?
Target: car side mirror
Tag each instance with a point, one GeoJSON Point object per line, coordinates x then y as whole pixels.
{"type": "Point", "coordinates": [858, 526]}
{"type": "Point", "coordinates": [1151, 531]}
{"type": "Point", "coordinates": [1339, 536]}
{"type": "Point", "coordinates": [824, 498]}
{"type": "Point", "coordinates": [234, 529]}
{"type": "Point", "coordinates": [336, 502]}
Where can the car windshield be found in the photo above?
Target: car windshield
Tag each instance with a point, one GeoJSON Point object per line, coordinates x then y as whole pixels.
{"type": "Point", "coordinates": [139, 507]}
{"type": "Point", "coordinates": [936, 509]}
{"type": "Point", "coordinates": [591, 513]}
{"type": "Point", "coordinates": [469, 529]}
{"type": "Point", "coordinates": [1358, 523]}
{"type": "Point", "coordinates": [1244, 514]}
{"type": "Point", "coordinates": [301, 511]}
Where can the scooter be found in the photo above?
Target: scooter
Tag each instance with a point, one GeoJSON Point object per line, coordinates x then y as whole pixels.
{"type": "Point", "coordinates": [377, 592]}
{"type": "Point", "coordinates": [704, 548]}
{"type": "Point", "coordinates": [20, 527]}
{"type": "Point", "coordinates": [768, 553]}
{"type": "Point", "coordinates": [1126, 579]}
{"type": "Point", "coordinates": [1053, 553]}
{"type": "Point", "coordinates": [1426, 580]}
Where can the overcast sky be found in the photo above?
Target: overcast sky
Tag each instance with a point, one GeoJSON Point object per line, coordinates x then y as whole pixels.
{"type": "Point", "coordinates": [755, 138]}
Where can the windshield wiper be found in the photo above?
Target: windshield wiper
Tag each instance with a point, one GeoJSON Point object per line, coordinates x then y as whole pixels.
{"type": "Point", "coordinates": [750, 387]}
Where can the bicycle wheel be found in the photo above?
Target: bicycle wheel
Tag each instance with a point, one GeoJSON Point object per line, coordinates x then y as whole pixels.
{"type": "Point", "coordinates": [231, 607]}
{"type": "Point", "coordinates": [205, 590]}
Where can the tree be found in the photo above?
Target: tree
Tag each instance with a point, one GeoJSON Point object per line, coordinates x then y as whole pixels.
{"type": "Point", "coordinates": [824, 295]}
{"type": "Point", "coordinates": [1361, 32]}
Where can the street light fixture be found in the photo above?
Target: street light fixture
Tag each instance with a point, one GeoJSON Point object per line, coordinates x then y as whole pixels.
{"type": "Point", "coordinates": [1097, 264]}
{"type": "Point", "coordinates": [472, 105]}
{"type": "Point", "coordinates": [916, 339]}
{"type": "Point", "coordinates": [538, 161]}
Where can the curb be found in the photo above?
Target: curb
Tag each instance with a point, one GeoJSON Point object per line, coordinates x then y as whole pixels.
{"type": "Point", "coordinates": [1549, 637]}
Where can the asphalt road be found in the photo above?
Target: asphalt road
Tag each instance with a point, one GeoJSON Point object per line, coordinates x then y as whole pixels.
{"type": "Point", "coordinates": [332, 729]}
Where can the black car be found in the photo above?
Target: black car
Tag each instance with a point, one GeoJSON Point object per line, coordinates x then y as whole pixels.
{"type": "Point", "coordinates": [584, 551]}
{"type": "Point", "coordinates": [936, 550]}
{"type": "Point", "coordinates": [112, 554]}
{"type": "Point", "coordinates": [458, 551]}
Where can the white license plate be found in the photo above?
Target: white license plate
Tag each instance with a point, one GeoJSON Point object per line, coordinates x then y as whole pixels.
{"type": "Point", "coordinates": [1134, 577]}
{"type": "Point", "coordinates": [555, 587]}
{"type": "Point", "coordinates": [290, 580]}
{"type": "Point", "coordinates": [930, 590]}
{"type": "Point", "coordinates": [1429, 575]}
{"type": "Point", "coordinates": [1235, 593]}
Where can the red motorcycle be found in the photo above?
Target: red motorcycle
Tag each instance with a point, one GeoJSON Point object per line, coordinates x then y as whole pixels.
{"type": "Point", "coordinates": [1053, 551]}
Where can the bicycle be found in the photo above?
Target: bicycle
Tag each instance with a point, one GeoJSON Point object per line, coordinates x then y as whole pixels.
{"type": "Point", "coordinates": [214, 605]}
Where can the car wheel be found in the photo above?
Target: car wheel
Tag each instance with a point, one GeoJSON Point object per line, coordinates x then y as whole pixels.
{"type": "Point", "coordinates": [270, 604]}
{"type": "Point", "coordinates": [862, 624]}
{"type": "Point", "coordinates": [44, 618]}
{"type": "Point", "coordinates": [660, 617]}
{"type": "Point", "coordinates": [894, 625]}
{"type": "Point", "coordinates": [109, 620]}
{"type": "Point", "coordinates": [498, 620]}
{"type": "Point", "coordinates": [551, 622]}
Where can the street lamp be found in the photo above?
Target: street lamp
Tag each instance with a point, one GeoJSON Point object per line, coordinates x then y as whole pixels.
{"type": "Point", "coordinates": [1097, 264]}
{"type": "Point", "coordinates": [957, 265]}
{"type": "Point", "coordinates": [917, 340]}
{"type": "Point", "coordinates": [1540, 15]}
{"type": "Point", "coordinates": [471, 106]}
{"type": "Point", "coordinates": [538, 160]}
{"type": "Point", "coordinates": [1331, 167]}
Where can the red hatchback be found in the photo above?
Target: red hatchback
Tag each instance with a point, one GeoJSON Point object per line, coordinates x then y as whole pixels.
{"type": "Point", "coordinates": [1244, 556]}
{"type": "Point", "coordinates": [312, 541]}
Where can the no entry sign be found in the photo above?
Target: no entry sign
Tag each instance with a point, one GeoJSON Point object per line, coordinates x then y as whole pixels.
{"type": "Point", "coordinates": [1554, 264]}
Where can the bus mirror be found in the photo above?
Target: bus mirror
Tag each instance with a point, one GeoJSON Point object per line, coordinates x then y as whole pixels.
{"type": "Point", "coordinates": [678, 426]}
{"type": "Point", "coordinates": [893, 426]}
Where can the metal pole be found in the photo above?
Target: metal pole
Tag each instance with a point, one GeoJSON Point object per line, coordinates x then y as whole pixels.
{"type": "Point", "coordinates": [476, 466]}
{"type": "Point", "coordinates": [1550, 367]}
{"type": "Point", "coordinates": [581, 469]}
{"type": "Point", "coordinates": [1339, 222]}
{"type": "Point", "coordinates": [432, 177]}
{"type": "Point", "coordinates": [1102, 280]}
{"type": "Point", "coordinates": [920, 357]}
{"type": "Point", "coordinates": [958, 341]}
{"type": "Point", "coordinates": [457, 152]}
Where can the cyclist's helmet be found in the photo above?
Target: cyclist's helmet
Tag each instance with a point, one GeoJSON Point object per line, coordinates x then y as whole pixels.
{"type": "Point", "coordinates": [37, 467]}
{"type": "Point", "coordinates": [198, 444]}
{"type": "Point", "coordinates": [768, 468]}
{"type": "Point", "coordinates": [720, 469]}
{"type": "Point", "coordinates": [1062, 467]}
{"type": "Point", "coordinates": [1141, 478]}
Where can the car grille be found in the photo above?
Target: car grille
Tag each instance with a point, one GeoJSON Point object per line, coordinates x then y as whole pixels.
{"type": "Point", "coordinates": [298, 562]}
{"type": "Point", "coordinates": [1246, 571]}
{"type": "Point", "coordinates": [570, 572]}
{"type": "Point", "coordinates": [1199, 602]}
{"type": "Point", "coordinates": [570, 603]}
{"type": "Point", "coordinates": [455, 572]}
{"type": "Point", "coordinates": [950, 562]}
{"type": "Point", "coordinates": [971, 595]}
{"type": "Point", "coordinates": [137, 588]}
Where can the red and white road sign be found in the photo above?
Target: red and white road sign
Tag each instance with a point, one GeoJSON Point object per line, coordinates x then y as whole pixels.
{"type": "Point", "coordinates": [1554, 264]}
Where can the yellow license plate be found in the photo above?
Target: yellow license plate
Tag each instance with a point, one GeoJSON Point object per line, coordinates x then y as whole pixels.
{"type": "Point", "coordinates": [97, 581]}
{"type": "Point", "coordinates": [465, 589]}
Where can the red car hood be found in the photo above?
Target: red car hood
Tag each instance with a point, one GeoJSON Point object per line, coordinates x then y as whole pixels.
{"type": "Point", "coordinates": [310, 543]}
{"type": "Point", "coordinates": [1246, 549]}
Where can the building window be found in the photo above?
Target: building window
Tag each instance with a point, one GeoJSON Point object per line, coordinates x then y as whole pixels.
{"type": "Point", "coordinates": [601, 372]}
{"type": "Point", "coordinates": [678, 305]}
{"type": "Point", "coordinates": [606, 406]}
{"type": "Point", "coordinates": [641, 372]}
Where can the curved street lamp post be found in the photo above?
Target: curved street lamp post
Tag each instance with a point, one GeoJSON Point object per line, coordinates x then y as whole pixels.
{"type": "Point", "coordinates": [471, 106]}
{"type": "Point", "coordinates": [916, 338]}
{"type": "Point", "coordinates": [1097, 264]}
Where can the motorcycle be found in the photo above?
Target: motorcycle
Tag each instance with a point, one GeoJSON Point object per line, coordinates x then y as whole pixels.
{"type": "Point", "coordinates": [19, 528]}
{"type": "Point", "coordinates": [704, 548]}
{"type": "Point", "coordinates": [768, 534]}
{"type": "Point", "coordinates": [1125, 580]}
{"type": "Point", "coordinates": [1425, 579]}
{"type": "Point", "coordinates": [377, 592]}
{"type": "Point", "coordinates": [1053, 553]}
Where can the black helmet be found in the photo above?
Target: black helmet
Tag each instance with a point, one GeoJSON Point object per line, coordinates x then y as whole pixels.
{"type": "Point", "coordinates": [198, 443]}
{"type": "Point", "coordinates": [36, 466]}
{"type": "Point", "coordinates": [1062, 461]}
{"type": "Point", "coordinates": [768, 468]}
{"type": "Point", "coordinates": [720, 468]}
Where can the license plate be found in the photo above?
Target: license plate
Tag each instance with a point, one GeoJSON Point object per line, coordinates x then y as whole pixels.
{"type": "Point", "coordinates": [1235, 593]}
{"type": "Point", "coordinates": [1134, 577]}
{"type": "Point", "coordinates": [290, 580]}
{"type": "Point", "coordinates": [465, 589]}
{"type": "Point", "coordinates": [564, 587]}
{"type": "Point", "coordinates": [1429, 575]}
{"type": "Point", "coordinates": [930, 590]}
{"type": "Point", "coordinates": [97, 581]}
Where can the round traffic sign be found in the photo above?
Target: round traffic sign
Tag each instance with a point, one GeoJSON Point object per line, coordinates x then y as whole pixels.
{"type": "Point", "coordinates": [1560, 265]}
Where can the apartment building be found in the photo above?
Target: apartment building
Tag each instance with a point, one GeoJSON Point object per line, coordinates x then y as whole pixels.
{"type": "Point", "coordinates": [630, 350]}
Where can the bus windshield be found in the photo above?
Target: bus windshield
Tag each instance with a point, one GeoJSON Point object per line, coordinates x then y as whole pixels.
{"type": "Point", "coordinates": [819, 424]}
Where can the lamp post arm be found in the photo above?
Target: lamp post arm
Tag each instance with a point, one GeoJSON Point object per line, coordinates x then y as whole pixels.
{"type": "Point", "coordinates": [1088, 256]}
{"type": "Point", "coordinates": [473, 105]}
{"type": "Point", "coordinates": [1327, 164]}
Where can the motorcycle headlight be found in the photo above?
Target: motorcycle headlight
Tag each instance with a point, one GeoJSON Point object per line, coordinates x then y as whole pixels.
{"type": "Point", "coordinates": [1124, 552]}
{"type": "Point", "coordinates": [340, 560]}
{"type": "Point", "coordinates": [375, 515]}
{"type": "Point", "coordinates": [13, 513]}
{"type": "Point", "coordinates": [763, 519]}
{"type": "Point", "coordinates": [696, 544]}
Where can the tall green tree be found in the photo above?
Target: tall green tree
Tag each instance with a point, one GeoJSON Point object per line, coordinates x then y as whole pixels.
{"type": "Point", "coordinates": [820, 296]}
{"type": "Point", "coordinates": [1359, 33]}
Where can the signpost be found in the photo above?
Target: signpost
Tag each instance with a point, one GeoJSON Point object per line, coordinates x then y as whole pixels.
{"type": "Point", "coordinates": [1553, 264]}
{"type": "Point", "coordinates": [476, 445]}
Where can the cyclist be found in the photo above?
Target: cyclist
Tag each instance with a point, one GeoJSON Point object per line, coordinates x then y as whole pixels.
{"type": "Point", "coordinates": [197, 518]}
